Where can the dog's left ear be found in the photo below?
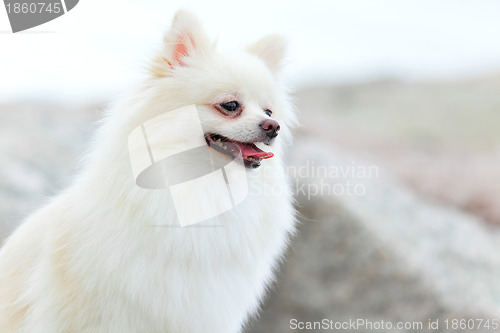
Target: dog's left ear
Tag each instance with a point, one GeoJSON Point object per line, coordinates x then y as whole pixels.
{"type": "Point", "coordinates": [270, 49]}
{"type": "Point", "coordinates": [185, 38]}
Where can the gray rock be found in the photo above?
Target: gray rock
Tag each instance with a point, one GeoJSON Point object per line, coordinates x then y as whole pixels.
{"type": "Point", "coordinates": [384, 255]}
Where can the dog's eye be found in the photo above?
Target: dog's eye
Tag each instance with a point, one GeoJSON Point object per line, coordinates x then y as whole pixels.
{"type": "Point", "coordinates": [268, 112]}
{"type": "Point", "coordinates": [230, 106]}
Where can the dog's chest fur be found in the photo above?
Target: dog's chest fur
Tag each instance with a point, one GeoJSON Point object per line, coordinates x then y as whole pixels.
{"type": "Point", "coordinates": [120, 270]}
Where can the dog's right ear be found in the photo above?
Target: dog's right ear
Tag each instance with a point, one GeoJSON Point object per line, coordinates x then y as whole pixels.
{"type": "Point", "coordinates": [185, 39]}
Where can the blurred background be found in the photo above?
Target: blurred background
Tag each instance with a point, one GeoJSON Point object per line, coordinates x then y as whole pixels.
{"type": "Point", "coordinates": [409, 90]}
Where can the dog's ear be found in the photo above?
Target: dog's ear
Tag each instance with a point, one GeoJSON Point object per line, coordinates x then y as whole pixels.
{"type": "Point", "coordinates": [184, 39]}
{"type": "Point", "coordinates": [271, 49]}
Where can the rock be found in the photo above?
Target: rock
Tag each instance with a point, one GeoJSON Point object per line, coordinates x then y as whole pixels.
{"type": "Point", "coordinates": [385, 255]}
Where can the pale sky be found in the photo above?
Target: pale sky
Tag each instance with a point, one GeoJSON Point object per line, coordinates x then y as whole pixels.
{"type": "Point", "coordinates": [100, 46]}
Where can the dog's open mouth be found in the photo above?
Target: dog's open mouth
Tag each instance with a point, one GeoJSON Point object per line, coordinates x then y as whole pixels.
{"type": "Point", "coordinates": [251, 154]}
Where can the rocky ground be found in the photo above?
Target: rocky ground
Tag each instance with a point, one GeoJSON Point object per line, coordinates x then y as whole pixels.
{"type": "Point", "coordinates": [40, 144]}
{"type": "Point", "coordinates": [387, 255]}
{"type": "Point", "coordinates": [419, 245]}
{"type": "Point", "coordinates": [441, 139]}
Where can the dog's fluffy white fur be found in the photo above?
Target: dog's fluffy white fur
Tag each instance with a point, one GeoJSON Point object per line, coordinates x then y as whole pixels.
{"type": "Point", "coordinates": [93, 261]}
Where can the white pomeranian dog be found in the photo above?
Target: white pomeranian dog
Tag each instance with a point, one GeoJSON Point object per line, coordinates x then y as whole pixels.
{"type": "Point", "coordinates": [109, 255]}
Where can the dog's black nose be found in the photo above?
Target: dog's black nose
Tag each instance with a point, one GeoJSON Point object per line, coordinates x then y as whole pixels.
{"type": "Point", "coordinates": [271, 127]}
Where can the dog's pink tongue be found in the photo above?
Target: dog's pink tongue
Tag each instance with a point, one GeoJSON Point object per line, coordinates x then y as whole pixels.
{"type": "Point", "coordinates": [250, 150]}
